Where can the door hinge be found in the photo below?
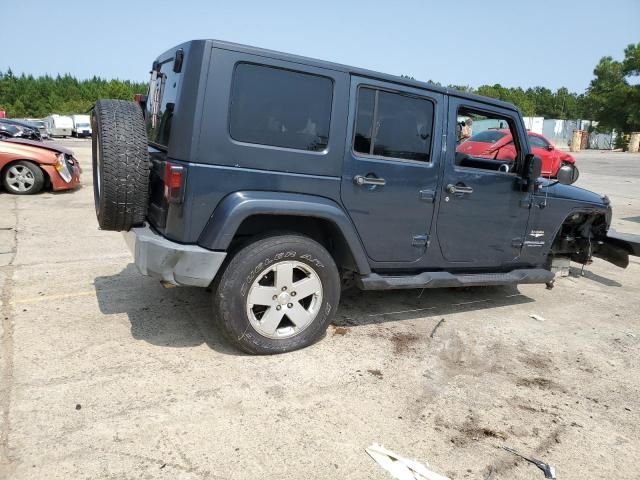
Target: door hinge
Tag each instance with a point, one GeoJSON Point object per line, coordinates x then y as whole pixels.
{"type": "Point", "coordinates": [420, 240]}
{"type": "Point", "coordinates": [517, 243]}
{"type": "Point", "coordinates": [428, 195]}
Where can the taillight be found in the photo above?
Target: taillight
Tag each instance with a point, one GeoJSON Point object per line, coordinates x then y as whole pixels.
{"type": "Point", "coordinates": [173, 183]}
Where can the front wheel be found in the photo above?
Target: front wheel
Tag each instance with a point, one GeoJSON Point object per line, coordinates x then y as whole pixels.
{"type": "Point", "coordinates": [277, 294]}
{"type": "Point", "coordinates": [23, 178]}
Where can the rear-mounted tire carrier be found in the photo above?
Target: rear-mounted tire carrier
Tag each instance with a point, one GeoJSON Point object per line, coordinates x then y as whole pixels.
{"type": "Point", "coordinates": [120, 164]}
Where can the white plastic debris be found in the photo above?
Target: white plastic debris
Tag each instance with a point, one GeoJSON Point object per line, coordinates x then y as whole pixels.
{"type": "Point", "coordinates": [537, 317]}
{"type": "Point", "coordinates": [401, 468]}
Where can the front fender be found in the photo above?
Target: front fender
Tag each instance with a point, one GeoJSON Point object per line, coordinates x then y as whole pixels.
{"type": "Point", "coordinates": [238, 206]}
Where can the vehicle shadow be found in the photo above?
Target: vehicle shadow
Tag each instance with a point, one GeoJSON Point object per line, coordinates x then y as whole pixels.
{"type": "Point", "coordinates": [183, 317]}
{"type": "Point", "coordinates": [607, 282]}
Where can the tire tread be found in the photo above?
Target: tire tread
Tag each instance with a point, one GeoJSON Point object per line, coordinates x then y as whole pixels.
{"type": "Point", "coordinates": [124, 196]}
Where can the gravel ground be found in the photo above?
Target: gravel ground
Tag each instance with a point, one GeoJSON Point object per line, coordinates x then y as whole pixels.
{"type": "Point", "coordinates": [105, 374]}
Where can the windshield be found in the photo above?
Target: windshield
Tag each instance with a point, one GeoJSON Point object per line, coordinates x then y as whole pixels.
{"type": "Point", "coordinates": [82, 124]}
{"type": "Point", "coordinates": [488, 136]}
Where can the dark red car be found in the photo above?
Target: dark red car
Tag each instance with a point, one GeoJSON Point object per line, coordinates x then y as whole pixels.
{"type": "Point", "coordinates": [498, 144]}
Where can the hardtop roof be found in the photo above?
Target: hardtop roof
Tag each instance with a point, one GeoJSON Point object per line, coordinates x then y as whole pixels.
{"type": "Point", "coordinates": [347, 69]}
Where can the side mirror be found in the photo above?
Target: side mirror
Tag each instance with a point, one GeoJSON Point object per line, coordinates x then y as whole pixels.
{"type": "Point", "coordinates": [550, 147]}
{"type": "Point", "coordinates": [532, 171]}
{"type": "Point", "coordinates": [568, 174]}
{"type": "Point", "coordinates": [532, 167]}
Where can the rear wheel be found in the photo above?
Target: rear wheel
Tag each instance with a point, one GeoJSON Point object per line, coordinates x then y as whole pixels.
{"type": "Point", "coordinates": [277, 294]}
{"type": "Point", "coordinates": [23, 178]}
{"type": "Point", "coordinates": [120, 164]}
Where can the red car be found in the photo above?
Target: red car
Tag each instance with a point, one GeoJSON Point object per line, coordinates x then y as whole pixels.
{"type": "Point", "coordinates": [27, 166]}
{"type": "Point", "coordinates": [497, 144]}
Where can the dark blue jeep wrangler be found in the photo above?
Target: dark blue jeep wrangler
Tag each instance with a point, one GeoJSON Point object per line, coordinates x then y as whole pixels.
{"type": "Point", "coordinates": [276, 180]}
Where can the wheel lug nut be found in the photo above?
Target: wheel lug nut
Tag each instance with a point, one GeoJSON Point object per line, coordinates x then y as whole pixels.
{"type": "Point", "coordinates": [284, 288]}
{"type": "Point", "coordinates": [278, 307]}
{"type": "Point", "coordinates": [275, 297]}
{"type": "Point", "coordinates": [290, 305]}
{"type": "Point", "coordinates": [293, 294]}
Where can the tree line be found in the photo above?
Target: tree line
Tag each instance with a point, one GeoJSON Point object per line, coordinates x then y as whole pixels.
{"type": "Point", "coordinates": [26, 96]}
{"type": "Point", "coordinates": [612, 98]}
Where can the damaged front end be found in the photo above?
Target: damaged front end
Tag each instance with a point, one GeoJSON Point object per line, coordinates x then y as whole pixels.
{"type": "Point", "coordinates": [616, 248]}
{"type": "Point", "coordinates": [587, 235]}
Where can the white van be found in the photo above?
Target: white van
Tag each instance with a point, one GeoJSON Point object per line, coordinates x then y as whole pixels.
{"type": "Point", "coordinates": [58, 125]}
{"type": "Point", "coordinates": [81, 126]}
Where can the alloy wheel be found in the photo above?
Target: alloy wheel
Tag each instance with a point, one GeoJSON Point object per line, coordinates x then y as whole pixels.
{"type": "Point", "coordinates": [284, 299]}
{"type": "Point", "coordinates": [20, 178]}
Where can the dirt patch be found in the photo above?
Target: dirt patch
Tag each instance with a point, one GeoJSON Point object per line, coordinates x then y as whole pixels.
{"type": "Point", "coordinates": [376, 373]}
{"type": "Point", "coordinates": [535, 361]}
{"type": "Point", "coordinates": [404, 342]}
{"type": "Point", "coordinates": [470, 431]}
{"type": "Point", "coordinates": [541, 383]}
{"type": "Point", "coordinates": [340, 331]}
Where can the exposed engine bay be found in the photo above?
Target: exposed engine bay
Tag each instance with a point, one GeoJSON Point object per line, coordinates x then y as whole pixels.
{"type": "Point", "coordinates": [585, 235]}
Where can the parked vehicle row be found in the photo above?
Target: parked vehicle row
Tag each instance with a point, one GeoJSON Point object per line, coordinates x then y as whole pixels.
{"type": "Point", "coordinates": [10, 128]}
{"type": "Point", "coordinates": [52, 126]}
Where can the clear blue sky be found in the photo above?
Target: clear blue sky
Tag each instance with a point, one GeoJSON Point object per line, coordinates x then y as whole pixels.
{"type": "Point", "coordinates": [464, 42]}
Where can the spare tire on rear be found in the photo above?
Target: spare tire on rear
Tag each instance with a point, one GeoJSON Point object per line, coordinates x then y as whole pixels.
{"type": "Point", "coordinates": [120, 164]}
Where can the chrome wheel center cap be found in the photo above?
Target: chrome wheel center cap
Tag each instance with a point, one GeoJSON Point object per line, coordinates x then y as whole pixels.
{"type": "Point", "coordinates": [284, 298]}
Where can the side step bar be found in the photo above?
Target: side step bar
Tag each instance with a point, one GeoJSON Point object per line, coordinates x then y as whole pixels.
{"type": "Point", "coordinates": [375, 281]}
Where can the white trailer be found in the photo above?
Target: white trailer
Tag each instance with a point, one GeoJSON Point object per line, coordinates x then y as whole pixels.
{"type": "Point", "coordinates": [58, 125]}
{"type": "Point", "coordinates": [81, 126]}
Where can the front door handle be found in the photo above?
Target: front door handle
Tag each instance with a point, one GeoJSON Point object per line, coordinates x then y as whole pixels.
{"type": "Point", "coordinates": [452, 189]}
{"type": "Point", "coordinates": [362, 180]}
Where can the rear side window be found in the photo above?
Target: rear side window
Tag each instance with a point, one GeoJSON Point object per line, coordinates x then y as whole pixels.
{"type": "Point", "coordinates": [282, 108]}
{"type": "Point", "coordinates": [393, 125]}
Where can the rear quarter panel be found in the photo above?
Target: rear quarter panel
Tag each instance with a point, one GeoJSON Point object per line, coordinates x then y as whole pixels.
{"type": "Point", "coordinates": [218, 165]}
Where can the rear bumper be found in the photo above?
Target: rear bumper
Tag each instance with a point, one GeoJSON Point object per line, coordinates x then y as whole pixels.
{"type": "Point", "coordinates": [172, 262]}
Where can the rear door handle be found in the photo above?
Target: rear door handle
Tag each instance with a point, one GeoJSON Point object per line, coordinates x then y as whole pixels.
{"type": "Point", "coordinates": [362, 180]}
{"type": "Point", "coordinates": [458, 189]}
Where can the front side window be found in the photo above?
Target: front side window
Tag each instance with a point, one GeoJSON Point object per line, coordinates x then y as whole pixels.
{"type": "Point", "coordinates": [393, 125]}
{"type": "Point", "coordinates": [485, 141]}
{"type": "Point", "coordinates": [282, 108]}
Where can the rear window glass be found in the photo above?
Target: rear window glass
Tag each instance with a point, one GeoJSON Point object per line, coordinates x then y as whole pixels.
{"type": "Point", "coordinates": [282, 108]}
{"type": "Point", "coordinates": [161, 103]}
{"type": "Point", "coordinates": [488, 136]}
